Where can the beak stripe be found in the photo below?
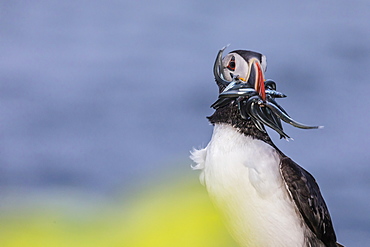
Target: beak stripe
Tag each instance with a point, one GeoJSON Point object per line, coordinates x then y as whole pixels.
{"type": "Point", "coordinates": [260, 82]}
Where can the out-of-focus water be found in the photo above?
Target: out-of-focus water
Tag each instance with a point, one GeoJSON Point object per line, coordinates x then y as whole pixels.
{"type": "Point", "coordinates": [101, 95]}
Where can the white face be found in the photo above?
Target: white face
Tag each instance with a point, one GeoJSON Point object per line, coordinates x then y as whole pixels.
{"type": "Point", "coordinates": [235, 64]}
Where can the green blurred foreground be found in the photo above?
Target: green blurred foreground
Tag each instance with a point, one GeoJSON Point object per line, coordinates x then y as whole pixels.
{"type": "Point", "coordinates": [172, 214]}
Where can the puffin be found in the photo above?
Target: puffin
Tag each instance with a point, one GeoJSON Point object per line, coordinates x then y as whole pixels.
{"type": "Point", "coordinates": [266, 199]}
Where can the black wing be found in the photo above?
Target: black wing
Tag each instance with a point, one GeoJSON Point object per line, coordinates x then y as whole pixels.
{"type": "Point", "coordinates": [306, 195]}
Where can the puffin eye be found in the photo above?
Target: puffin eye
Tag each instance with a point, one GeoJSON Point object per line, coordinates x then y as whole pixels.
{"type": "Point", "coordinates": [231, 66]}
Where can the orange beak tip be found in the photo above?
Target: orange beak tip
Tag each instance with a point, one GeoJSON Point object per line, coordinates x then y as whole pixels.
{"type": "Point", "coordinates": [260, 87]}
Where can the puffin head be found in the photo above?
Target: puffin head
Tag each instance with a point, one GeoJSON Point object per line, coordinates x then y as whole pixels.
{"type": "Point", "coordinates": [247, 66]}
{"type": "Point", "coordinates": [241, 65]}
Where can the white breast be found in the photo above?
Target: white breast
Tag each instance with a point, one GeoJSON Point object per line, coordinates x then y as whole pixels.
{"type": "Point", "coordinates": [242, 177]}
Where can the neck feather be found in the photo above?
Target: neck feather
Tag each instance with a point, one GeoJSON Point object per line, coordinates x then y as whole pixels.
{"type": "Point", "coordinates": [230, 115]}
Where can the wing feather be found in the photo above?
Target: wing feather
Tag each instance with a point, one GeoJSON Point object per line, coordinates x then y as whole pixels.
{"type": "Point", "coordinates": [306, 194]}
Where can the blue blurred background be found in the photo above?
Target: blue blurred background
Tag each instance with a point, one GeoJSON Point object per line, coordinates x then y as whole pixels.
{"type": "Point", "coordinates": [101, 101]}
